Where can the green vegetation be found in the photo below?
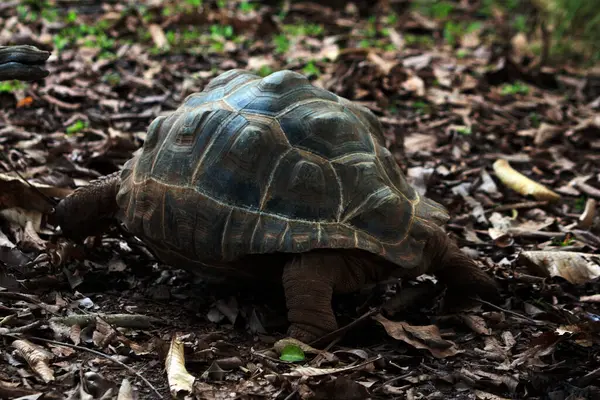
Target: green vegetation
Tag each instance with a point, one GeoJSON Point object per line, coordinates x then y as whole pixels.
{"type": "Point", "coordinates": [463, 130]}
{"type": "Point", "coordinates": [11, 86]}
{"type": "Point", "coordinates": [78, 126]}
{"type": "Point", "coordinates": [580, 204]}
{"type": "Point", "coordinates": [310, 69]}
{"type": "Point", "coordinates": [292, 353]}
{"type": "Point", "coordinates": [433, 9]}
{"type": "Point", "coordinates": [264, 70]}
{"type": "Point", "coordinates": [573, 25]}
{"type": "Point", "coordinates": [421, 108]}
{"type": "Point", "coordinates": [514, 88]}
{"type": "Point", "coordinates": [535, 119]}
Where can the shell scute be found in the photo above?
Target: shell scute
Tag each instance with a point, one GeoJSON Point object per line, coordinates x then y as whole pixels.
{"type": "Point", "coordinates": [326, 129]}
{"type": "Point", "coordinates": [272, 94]}
{"type": "Point", "coordinates": [303, 187]}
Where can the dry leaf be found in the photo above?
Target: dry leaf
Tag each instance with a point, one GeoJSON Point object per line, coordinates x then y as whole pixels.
{"type": "Point", "coordinates": [421, 337]}
{"type": "Point", "coordinates": [594, 298]}
{"type": "Point", "coordinates": [415, 85]}
{"type": "Point", "coordinates": [384, 66]}
{"type": "Point", "coordinates": [37, 358]}
{"type": "Point", "coordinates": [545, 133]}
{"type": "Point", "coordinates": [476, 323]}
{"type": "Point", "coordinates": [522, 184]}
{"type": "Point", "coordinates": [311, 371]}
{"type": "Point", "coordinates": [158, 36]}
{"type": "Point", "coordinates": [14, 192]}
{"type": "Point", "coordinates": [179, 378]}
{"type": "Point", "coordinates": [587, 217]}
{"type": "Point", "coordinates": [573, 266]}
{"type": "Point", "coordinates": [419, 142]}
{"type": "Point", "coordinates": [125, 390]}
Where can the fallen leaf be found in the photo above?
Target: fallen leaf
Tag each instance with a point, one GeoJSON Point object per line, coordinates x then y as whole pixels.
{"type": "Point", "coordinates": [415, 85]}
{"type": "Point", "coordinates": [292, 353]}
{"type": "Point", "coordinates": [522, 184]}
{"type": "Point", "coordinates": [180, 380]}
{"type": "Point", "coordinates": [311, 371]}
{"type": "Point", "coordinates": [158, 36]}
{"type": "Point", "coordinates": [37, 358]}
{"type": "Point", "coordinates": [587, 217]}
{"type": "Point", "coordinates": [125, 390]}
{"type": "Point", "coordinates": [417, 142]}
{"type": "Point", "coordinates": [421, 337]}
{"type": "Point", "coordinates": [575, 267]}
{"type": "Point", "coordinates": [545, 133]}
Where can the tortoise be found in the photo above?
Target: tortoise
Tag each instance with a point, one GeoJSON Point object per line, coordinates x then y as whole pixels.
{"type": "Point", "coordinates": [274, 170]}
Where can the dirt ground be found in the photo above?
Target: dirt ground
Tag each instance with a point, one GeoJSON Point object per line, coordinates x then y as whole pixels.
{"type": "Point", "coordinates": [106, 319]}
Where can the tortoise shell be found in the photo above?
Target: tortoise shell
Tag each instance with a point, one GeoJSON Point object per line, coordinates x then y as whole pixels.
{"type": "Point", "coordinates": [255, 165]}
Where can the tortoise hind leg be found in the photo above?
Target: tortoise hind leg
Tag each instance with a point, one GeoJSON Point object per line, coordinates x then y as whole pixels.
{"type": "Point", "coordinates": [88, 210]}
{"type": "Point", "coordinates": [309, 281]}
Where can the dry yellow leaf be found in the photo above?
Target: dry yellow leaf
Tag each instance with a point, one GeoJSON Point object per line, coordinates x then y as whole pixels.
{"type": "Point", "coordinates": [180, 380]}
{"type": "Point", "coordinates": [522, 184]}
{"type": "Point", "coordinates": [37, 357]}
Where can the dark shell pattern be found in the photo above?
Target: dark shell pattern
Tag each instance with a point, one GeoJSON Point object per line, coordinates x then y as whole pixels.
{"type": "Point", "coordinates": [255, 165]}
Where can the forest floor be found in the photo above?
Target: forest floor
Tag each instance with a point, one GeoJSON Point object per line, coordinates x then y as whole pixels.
{"type": "Point", "coordinates": [455, 89]}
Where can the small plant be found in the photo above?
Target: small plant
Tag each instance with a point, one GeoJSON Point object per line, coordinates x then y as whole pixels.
{"type": "Point", "coordinates": [78, 126]}
{"type": "Point", "coordinates": [71, 16]}
{"type": "Point", "coordinates": [434, 9]}
{"type": "Point", "coordinates": [514, 88]}
{"type": "Point", "coordinates": [310, 69]}
{"type": "Point", "coordinates": [11, 86]}
{"type": "Point", "coordinates": [112, 78]}
{"type": "Point", "coordinates": [462, 53]}
{"type": "Point", "coordinates": [463, 130]}
{"type": "Point", "coordinates": [282, 44]}
{"type": "Point", "coordinates": [246, 7]}
{"type": "Point", "coordinates": [194, 3]}
{"type": "Point", "coordinates": [421, 107]}
{"type": "Point", "coordinates": [535, 119]}
{"type": "Point", "coordinates": [265, 70]}
{"type": "Point", "coordinates": [579, 205]}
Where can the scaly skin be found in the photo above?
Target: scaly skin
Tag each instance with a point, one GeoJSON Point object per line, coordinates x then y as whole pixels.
{"type": "Point", "coordinates": [310, 279]}
{"type": "Point", "coordinates": [88, 209]}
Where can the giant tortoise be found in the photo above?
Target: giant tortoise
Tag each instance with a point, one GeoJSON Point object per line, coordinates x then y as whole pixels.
{"type": "Point", "coordinates": [274, 170]}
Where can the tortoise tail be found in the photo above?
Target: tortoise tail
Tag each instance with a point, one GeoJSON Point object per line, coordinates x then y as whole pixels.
{"type": "Point", "coordinates": [458, 271]}
{"type": "Point", "coordinates": [89, 209]}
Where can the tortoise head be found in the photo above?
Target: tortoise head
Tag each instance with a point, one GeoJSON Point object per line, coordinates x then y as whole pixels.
{"type": "Point", "coordinates": [89, 209]}
{"type": "Point", "coordinates": [24, 62]}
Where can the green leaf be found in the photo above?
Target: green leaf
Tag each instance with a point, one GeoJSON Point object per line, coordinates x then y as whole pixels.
{"type": "Point", "coordinates": [292, 353]}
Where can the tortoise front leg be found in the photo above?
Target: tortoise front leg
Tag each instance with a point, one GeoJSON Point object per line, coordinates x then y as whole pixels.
{"type": "Point", "coordinates": [88, 210]}
{"type": "Point", "coordinates": [309, 281]}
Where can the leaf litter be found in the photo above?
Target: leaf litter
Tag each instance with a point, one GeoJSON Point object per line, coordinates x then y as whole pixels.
{"type": "Point", "coordinates": [450, 109]}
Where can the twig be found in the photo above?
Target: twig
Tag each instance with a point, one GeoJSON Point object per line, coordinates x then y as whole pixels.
{"type": "Point", "coordinates": [92, 351]}
{"type": "Point", "coordinates": [390, 381]}
{"type": "Point", "coordinates": [588, 378]}
{"type": "Point", "coordinates": [516, 206]}
{"type": "Point", "coordinates": [516, 314]}
{"type": "Point", "coordinates": [338, 332]}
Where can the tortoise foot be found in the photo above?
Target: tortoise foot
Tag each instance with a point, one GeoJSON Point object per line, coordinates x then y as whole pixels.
{"type": "Point", "coordinates": [303, 333]}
